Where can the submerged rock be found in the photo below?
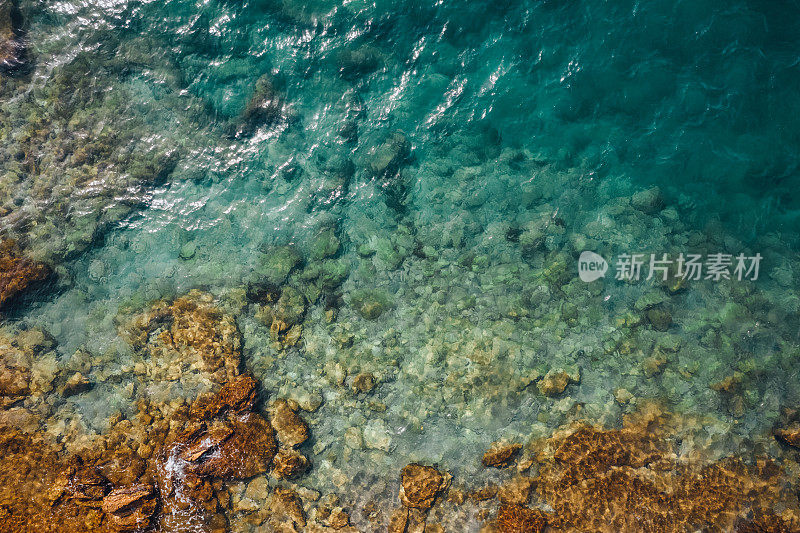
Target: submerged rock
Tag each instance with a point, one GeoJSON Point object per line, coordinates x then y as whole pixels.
{"type": "Point", "coordinates": [291, 428]}
{"type": "Point", "coordinates": [15, 374]}
{"type": "Point", "coordinates": [237, 448]}
{"type": "Point", "coordinates": [76, 384]}
{"type": "Point", "coordinates": [390, 155]}
{"type": "Point", "coordinates": [289, 464]}
{"type": "Point", "coordinates": [649, 201]}
{"type": "Point", "coordinates": [501, 455]}
{"type": "Point", "coordinates": [238, 395]}
{"type": "Point", "coordinates": [188, 339]}
{"type": "Point", "coordinates": [555, 382]}
{"type": "Point", "coordinates": [364, 382]}
{"type": "Point", "coordinates": [265, 108]}
{"type": "Point", "coordinates": [520, 519]}
{"type": "Point", "coordinates": [370, 303]}
{"type": "Point", "coordinates": [131, 508]}
{"type": "Point", "coordinates": [12, 43]}
{"type": "Point", "coordinates": [420, 485]}
{"type": "Point", "coordinates": [17, 273]}
{"type": "Point", "coordinates": [355, 63]}
{"type": "Point", "coordinates": [276, 264]}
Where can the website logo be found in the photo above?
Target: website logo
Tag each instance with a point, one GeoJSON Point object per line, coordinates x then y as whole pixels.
{"type": "Point", "coordinates": [591, 266]}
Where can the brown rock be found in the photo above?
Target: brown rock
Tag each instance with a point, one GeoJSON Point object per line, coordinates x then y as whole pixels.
{"type": "Point", "coordinates": [420, 485]}
{"type": "Point", "coordinates": [131, 507]}
{"type": "Point", "coordinates": [286, 502]}
{"type": "Point", "coordinates": [15, 375]}
{"type": "Point", "coordinates": [516, 491]}
{"type": "Point", "coordinates": [338, 518]}
{"type": "Point", "coordinates": [486, 493]}
{"type": "Point", "coordinates": [17, 272]}
{"type": "Point", "coordinates": [124, 467]}
{"type": "Point", "coordinates": [398, 520]}
{"type": "Point", "coordinates": [291, 428]}
{"type": "Point", "coordinates": [554, 383]}
{"type": "Point", "coordinates": [76, 384]}
{"type": "Point", "coordinates": [88, 487]}
{"type": "Point", "coordinates": [789, 435]}
{"type": "Point", "coordinates": [501, 455]}
{"type": "Point", "coordinates": [238, 395]}
{"type": "Point", "coordinates": [288, 464]}
{"type": "Point", "coordinates": [238, 448]}
{"type": "Point", "coordinates": [364, 382]}
{"type": "Point", "coordinates": [520, 519]}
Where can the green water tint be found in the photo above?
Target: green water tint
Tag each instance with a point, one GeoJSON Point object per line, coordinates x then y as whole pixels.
{"type": "Point", "coordinates": [415, 184]}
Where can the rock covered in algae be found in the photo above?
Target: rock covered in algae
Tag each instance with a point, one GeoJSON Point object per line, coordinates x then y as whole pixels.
{"type": "Point", "coordinates": [390, 155]}
{"type": "Point", "coordinates": [420, 485]}
{"type": "Point", "coordinates": [555, 382]}
{"type": "Point", "coordinates": [370, 303]}
{"type": "Point", "coordinates": [265, 107]}
{"type": "Point", "coordinates": [17, 272]}
{"type": "Point", "coordinates": [275, 265]}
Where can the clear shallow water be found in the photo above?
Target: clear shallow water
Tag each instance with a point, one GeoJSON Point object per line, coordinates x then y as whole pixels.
{"type": "Point", "coordinates": [513, 111]}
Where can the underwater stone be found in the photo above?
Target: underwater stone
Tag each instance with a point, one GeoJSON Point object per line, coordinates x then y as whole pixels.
{"type": "Point", "coordinates": [131, 508]}
{"type": "Point", "coordinates": [364, 382]}
{"type": "Point", "coordinates": [789, 435]}
{"type": "Point", "coordinates": [290, 307]}
{"type": "Point", "coordinates": [76, 384]}
{"type": "Point", "coordinates": [17, 273]}
{"type": "Point", "coordinates": [326, 244]}
{"type": "Point", "coordinates": [520, 519]}
{"type": "Point", "coordinates": [390, 155]}
{"type": "Point", "coordinates": [238, 396]}
{"type": "Point", "coordinates": [376, 435]}
{"type": "Point", "coordinates": [276, 265]}
{"type": "Point", "coordinates": [555, 382]}
{"type": "Point", "coordinates": [659, 317]}
{"type": "Point", "coordinates": [370, 303]}
{"type": "Point", "coordinates": [265, 108]}
{"type": "Point", "coordinates": [15, 374]}
{"type": "Point", "coordinates": [648, 201]}
{"type": "Point", "coordinates": [420, 485]}
{"type": "Point", "coordinates": [500, 455]}
{"type": "Point", "coordinates": [291, 428]}
{"type": "Point", "coordinates": [355, 63]}
{"type": "Point", "coordinates": [188, 250]}
{"type": "Point", "coordinates": [289, 464]}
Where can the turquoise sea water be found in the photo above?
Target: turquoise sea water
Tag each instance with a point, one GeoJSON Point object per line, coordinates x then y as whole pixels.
{"type": "Point", "coordinates": [529, 127]}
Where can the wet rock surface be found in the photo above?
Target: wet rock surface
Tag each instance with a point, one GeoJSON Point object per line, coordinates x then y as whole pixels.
{"type": "Point", "coordinates": [131, 508]}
